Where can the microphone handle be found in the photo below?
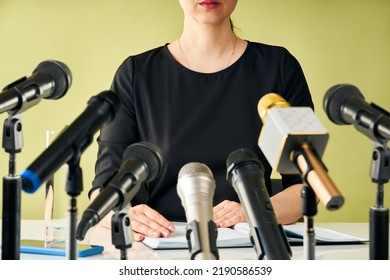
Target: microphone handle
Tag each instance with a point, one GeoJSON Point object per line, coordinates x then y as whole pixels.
{"type": "Point", "coordinates": [316, 175]}
{"type": "Point", "coordinates": [384, 128]}
{"type": "Point", "coordinates": [99, 208]}
{"type": "Point", "coordinates": [201, 230]}
{"type": "Point", "coordinates": [9, 99]}
{"type": "Point", "coordinates": [25, 93]}
{"type": "Point", "coordinates": [370, 119]}
{"type": "Point", "coordinates": [267, 236]}
{"type": "Point", "coordinates": [70, 144]}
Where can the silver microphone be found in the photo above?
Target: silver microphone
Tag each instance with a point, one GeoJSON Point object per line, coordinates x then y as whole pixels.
{"type": "Point", "coordinates": [195, 187]}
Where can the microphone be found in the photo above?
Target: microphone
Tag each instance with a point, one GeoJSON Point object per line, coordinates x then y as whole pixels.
{"type": "Point", "coordinates": [72, 141]}
{"type": "Point", "coordinates": [51, 80]}
{"type": "Point", "coordinates": [141, 163]}
{"type": "Point", "coordinates": [246, 174]}
{"type": "Point", "coordinates": [345, 104]}
{"type": "Point", "coordinates": [293, 141]}
{"type": "Point", "coordinates": [195, 187]}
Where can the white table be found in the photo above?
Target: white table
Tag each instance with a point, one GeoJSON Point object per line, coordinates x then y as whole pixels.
{"type": "Point", "coordinates": [34, 229]}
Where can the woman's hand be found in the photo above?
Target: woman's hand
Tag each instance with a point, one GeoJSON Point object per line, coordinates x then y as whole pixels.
{"type": "Point", "coordinates": [228, 213]}
{"type": "Point", "coordinates": [146, 221]}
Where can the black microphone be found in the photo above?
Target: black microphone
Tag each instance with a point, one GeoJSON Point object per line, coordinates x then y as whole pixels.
{"type": "Point", "coordinates": [142, 162]}
{"type": "Point", "coordinates": [345, 104]}
{"type": "Point", "coordinates": [51, 80]}
{"type": "Point", "coordinates": [72, 141]}
{"type": "Point", "coordinates": [246, 174]}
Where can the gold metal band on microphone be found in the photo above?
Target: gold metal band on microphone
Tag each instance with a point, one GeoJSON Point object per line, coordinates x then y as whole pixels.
{"type": "Point", "coordinates": [269, 101]}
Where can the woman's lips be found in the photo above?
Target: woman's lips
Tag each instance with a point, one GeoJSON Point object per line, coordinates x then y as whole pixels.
{"type": "Point", "coordinates": [209, 4]}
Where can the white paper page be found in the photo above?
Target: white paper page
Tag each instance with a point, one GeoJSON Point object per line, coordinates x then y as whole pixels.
{"type": "Point", "coordinates": [227, 237]}
{"type": "Point", "coordinates": [296, 232]}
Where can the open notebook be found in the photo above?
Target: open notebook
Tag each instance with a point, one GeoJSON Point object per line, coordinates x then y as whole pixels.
{"type": "Point", "coordinates": [239, 237]}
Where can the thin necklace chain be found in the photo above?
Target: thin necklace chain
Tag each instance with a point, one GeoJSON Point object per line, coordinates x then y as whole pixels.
{"type": "Point", "coordinates": [230, 58]}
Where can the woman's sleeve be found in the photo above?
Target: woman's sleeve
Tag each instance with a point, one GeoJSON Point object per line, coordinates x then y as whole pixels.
{"type": "Point", "coordinates": [118, 134]}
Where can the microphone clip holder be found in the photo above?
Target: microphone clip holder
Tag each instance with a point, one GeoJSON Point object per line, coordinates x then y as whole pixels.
{"type": "Point", "coordinates": [12, 185]}
{"type": "Point", "coordinates": [195, 248]}
{"type": "Point", "coordinates": [379, 215]}
{"type": "Point", "coordinates": [121, 233]}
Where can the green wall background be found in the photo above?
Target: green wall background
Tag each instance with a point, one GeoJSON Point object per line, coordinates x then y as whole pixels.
{"type": "Point", "coordinates": [336, 41]}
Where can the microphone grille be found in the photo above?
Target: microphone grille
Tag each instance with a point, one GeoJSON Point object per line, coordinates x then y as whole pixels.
{"type": "Point", "coordinates": [269, 101]}
{"type": "Point", "coordinates": [148, 153]}
{"type": "Point", "coordinates": [59, 73]}
{"type": "Point", "coordinates": [335, 98]}
{"type": "Point", "coordinates": [195, 168]}
{"type": "Point", "coordinates": [242, 155]}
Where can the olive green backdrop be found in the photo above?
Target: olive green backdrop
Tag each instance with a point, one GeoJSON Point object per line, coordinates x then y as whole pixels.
{"type": "Point", "coordinates": [336, 41]}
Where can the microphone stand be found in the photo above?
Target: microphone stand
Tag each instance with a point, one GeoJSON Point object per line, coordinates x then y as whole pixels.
{"type": "Point", "coordinates": [12, 185]}
{"type": "Point", "coordinates": [309, 209]}
{"type": "Point", "coordinates": [121, 232]}
{"type": "Point", "coordinates": [74, 186]}
{"type": "Point", "coordinates": [379, 215]}
{"type": "Point", "coordinates": [121, 235]}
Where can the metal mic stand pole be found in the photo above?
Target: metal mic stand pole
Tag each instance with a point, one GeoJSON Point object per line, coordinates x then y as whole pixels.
{"type": "Point", "coordinates": [309, 210]}
{"type": "Point", "coordinates": [12, 185]}
{"type": "Point", "coordinates": [121, 235]}
{"type": "Point", "coordinates": [379, 215]}
{"type": "Point", "coordinates": [74, 186]}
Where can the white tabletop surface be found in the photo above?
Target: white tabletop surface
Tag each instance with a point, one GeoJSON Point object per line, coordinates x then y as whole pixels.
{"type": "Point", "coordinates": [34, 229]}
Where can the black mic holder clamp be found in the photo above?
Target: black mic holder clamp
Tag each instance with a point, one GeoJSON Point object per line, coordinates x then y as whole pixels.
{"type": "Point", "coordinates": [195, 248]}
{"type": "Point", "coordinates": [380, 165]}
{"type": "Point", "coordinates": [259, 246]}
{"type": "Point", "coordinates": [379, 215]}
{"type": "Point", "coordinates": [12, 134]}
{"type": "Point", "coordinates": [12, 185]}
{"type": "Point", "coordinates": [121, 232]}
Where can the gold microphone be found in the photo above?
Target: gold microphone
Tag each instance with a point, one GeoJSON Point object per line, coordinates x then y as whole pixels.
{"type": "Point", "coordinates": [293, 141]}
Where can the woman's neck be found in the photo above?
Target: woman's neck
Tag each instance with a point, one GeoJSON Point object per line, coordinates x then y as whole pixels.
{"type": "Point", "coordinates": [208, 36]}
{"type": "Point", "coordinates": [207, 53]}
{"type": "Point", "coordinates": [205, 48]}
